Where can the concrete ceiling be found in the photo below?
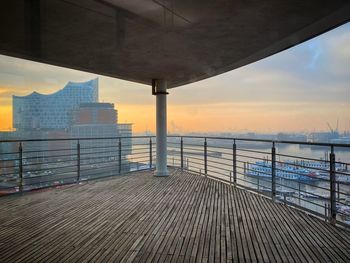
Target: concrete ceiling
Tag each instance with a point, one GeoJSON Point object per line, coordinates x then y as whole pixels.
{"type": "Point", "coordinates": [179, 40]}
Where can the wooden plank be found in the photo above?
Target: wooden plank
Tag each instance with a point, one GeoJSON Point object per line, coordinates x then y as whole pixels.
{"type": "Point", "coordinates": [229, 245]}
{"type": "Point", "coordinates": [282, 237]}
{"type": "Point", "coordinates": [255, 228]}
{"type": "Point", "coordinates": [182, 218]}
{"type": "Point", "coordinates": [193, 251]}
{"type": "Point", "coordinates": [265, 230]}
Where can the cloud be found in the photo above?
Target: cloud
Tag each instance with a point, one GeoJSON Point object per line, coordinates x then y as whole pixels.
{"type": "Point", "coordinates": [317, 70]}
{"type": "Point", "coordinates": [4, 91]}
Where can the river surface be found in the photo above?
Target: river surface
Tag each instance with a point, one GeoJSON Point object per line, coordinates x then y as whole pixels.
{"type": "Point", "coordinates": [312, 194]}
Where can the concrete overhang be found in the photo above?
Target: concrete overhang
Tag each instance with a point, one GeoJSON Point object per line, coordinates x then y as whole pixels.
{"type": "Point", "coordinates": [178, 40]}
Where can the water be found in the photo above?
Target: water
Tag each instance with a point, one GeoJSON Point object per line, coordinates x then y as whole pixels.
{"type": "Point", "coordinates": [313, 194]}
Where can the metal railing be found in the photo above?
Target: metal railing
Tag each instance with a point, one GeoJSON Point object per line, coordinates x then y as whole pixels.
{"type": "Point", "coordinates": [313, 177]}
{"type": "Point", "coordinates": [27, 165]}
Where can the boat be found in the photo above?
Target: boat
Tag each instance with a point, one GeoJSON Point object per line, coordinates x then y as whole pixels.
{"type": "Point", "coordinates": [322, 168]}
{"type": "Point", "coordinates": [285, 171]}
{"type": "Point", "coordinates": [317, 165]}
{"type": "Point", "coordinates": [299, 170]}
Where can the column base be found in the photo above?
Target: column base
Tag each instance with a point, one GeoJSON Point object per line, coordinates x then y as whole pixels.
{"type": "Point", "coordinates": [161, 173]}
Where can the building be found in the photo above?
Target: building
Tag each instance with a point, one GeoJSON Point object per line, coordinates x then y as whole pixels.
{"type": "Point", "coordinates": [53, 111]}
{"type": "Point", "coordinates": [92, 120]}
{"type": "Point", "coordinates": [72, 112]}
{"type": "Point", "coordinates": [100, 120]}
{"type": "Point", "coordinates": [95, 113]}
{"type": "Point", "coordinates": [125, 131]}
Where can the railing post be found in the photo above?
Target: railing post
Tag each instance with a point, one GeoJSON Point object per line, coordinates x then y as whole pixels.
{"type": "Point", "coordinates": [205, 157]}
{"type": "Point", "coordinates": [20, 151]}
{"type": "Point", "coordinates": [299, 191]}
{"type": "Point", "coordinates": [338, 191]}
{"type": "Point", "coordinates": [150, 153]}
{"type": "Point", "coordinates": [234, 161]}
{"type": "Point", "coordinates": [273, 171]}
{"type": "Point", "coordinates": [120, 155]}
{"type": "Point", "coordinates": [182, 153]}
{"type": "Point", "coordinates": [78, 161]}
{"type": "Point", "coordinates": [333, 204]}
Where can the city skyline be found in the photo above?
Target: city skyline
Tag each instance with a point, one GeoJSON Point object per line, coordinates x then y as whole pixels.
{"type": "Point", "coordinates": [300, 89]}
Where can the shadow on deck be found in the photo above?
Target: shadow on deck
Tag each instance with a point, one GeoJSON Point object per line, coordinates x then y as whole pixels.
{"type": "Point", "coordinates": [184, 217]}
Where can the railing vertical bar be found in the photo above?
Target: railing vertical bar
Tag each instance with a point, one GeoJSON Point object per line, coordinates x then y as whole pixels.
{"type": "Point", "coordinates": [338, 192]}
{"type": "Point", "coordinates": [299, 191]}
{"type": "Point", "coordinates": [78, 161]}
{"type": "Point", "coordinates": [205, 156]}
{"type": "Point", "coordinates": [234, 161]}
{"type": "Point", "coordinates": [182, 153]}
{"type": "Point", "coordinates": [150, 152]}
{"type": "Point", "coordinates": [333, 207]}
{"type": "Point", "coordinates": [273, 171]}
{"type": "Point", "coordinates": [120, 155]}
{"type": "Point", "coordinates": [20, 150]}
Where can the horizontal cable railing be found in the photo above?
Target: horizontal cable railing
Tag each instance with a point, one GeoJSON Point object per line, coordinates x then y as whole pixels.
{"type": "Point", "coordinates": [316, 181]}
{"type": "Point", "coordinates": [33, 164]}
{"type": "Point", "coordinates": [281, 170]}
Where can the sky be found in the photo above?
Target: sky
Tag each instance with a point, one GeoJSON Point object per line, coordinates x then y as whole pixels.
{"type": "Point", "coordinates": [297, 90]}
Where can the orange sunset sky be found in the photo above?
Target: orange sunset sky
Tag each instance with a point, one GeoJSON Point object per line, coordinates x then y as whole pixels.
{"type": "Point", "coordinates": [300, 89]}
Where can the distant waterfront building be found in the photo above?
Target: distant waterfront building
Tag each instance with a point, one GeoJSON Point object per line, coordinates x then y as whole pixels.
{"type": "Point", "coordinates": [341, 139]}
{"type": "Point", "coordinates": [125, 131]}
{"type": "Point", "coordinates": [53, 111]}
{"type": "Point", "coordinates": [95, 113]}
{"type": "Point", "coordinates": [323, 136]}
{"type": "Point", "coordinates": [99, 120]}
{"type": "Point", "coordinates": [72, 112]}
{"type": "Point", "coordinates": [94, 120]}
{"type": "Point", "coordinates": [7, 147]}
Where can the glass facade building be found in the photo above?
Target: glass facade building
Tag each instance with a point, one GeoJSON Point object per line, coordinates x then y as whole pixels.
{"type": "Point", "coordinates": [53, 111]}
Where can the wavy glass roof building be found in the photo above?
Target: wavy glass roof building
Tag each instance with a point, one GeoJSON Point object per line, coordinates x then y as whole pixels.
{"type": "Point", "coordinates": [53, 111]}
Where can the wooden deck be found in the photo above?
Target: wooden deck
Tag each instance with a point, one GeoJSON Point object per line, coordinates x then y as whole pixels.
{"type": "Point", "coordinates": [139, 218]}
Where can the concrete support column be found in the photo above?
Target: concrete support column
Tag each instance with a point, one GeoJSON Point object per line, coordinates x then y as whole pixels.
{"type": "Point", "coordinates": [161, 114]}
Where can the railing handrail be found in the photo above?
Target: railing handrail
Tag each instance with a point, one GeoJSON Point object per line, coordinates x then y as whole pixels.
{"type": "Point", "coordinates": [263, 140]}
{"type": "Point", "coordinates": [327, 144]}
{"type": "Point", "coordinates": [78, 138]}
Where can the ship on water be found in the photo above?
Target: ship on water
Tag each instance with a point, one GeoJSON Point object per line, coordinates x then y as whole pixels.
{"type": "Point", "coordinates": [291, 172]}
{"type": "Point", "coordinates": [298, 170]}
